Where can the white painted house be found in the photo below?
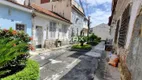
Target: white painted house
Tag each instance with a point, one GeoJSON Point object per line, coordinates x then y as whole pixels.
{"type": "Point", "coordinates": [102, 30]}
{"type": "Point", "coordinates": [49, 27]}
{"type": "Point", "coordinates": [69, 9]}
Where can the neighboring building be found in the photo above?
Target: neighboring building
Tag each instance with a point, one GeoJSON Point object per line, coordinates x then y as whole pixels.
{"type": "Point", "coordinates": [68, 9]}
{"type": "Point", "coordinates": [85, 27]}
{"type": "Point", "coordinates": [48, 27]}
{"type": "Point", "coordinates": [10, 16]}
{"type": "Point", "coordinates": [126, 30]}
{"type": "Point", "coordinates": [102, 30]}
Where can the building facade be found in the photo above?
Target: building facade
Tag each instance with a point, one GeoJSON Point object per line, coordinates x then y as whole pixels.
{"type": "Point", "coordinates": [10, 16]}
{"type": "Point", "coordinates": [102, 30]}
{"type": "Point", "coordinates": [68, 9]}
{"type": "Point", "coordinates": [126, 22]}
{"type": "Point", "coordinates": [48, 28]}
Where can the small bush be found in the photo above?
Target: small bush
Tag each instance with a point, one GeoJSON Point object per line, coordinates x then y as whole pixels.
{"type": "Point", "coordinates": [93, 39]}
{"type": "Point", "coordinates": [30, 72]}
{"type": "Point", "coordinates": [78, 46]}
{"type": "Point", "coordinates": [14, 51]}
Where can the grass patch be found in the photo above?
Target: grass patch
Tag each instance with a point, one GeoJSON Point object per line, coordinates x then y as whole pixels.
{"type": "Point", "coordinates": [78, 46]}
{"type": "Point", "coordinates": [30, 72]}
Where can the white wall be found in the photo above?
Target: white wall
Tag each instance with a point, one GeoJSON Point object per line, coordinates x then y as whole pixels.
{"type": "Point", "coordinates": [102, 31]}
{"type": "Point", "coordinates": [20, 1]}
{"type": "Point", "coordinates": [44, 22]}
{"type": "Point", "coordinates": [112, 31]}
{"type": "Point", "coordinates": [79, 24]}
{"type": "Point", "coordinates": [64, 8]}
{"type": "Point", "coordinates": [135, 9]}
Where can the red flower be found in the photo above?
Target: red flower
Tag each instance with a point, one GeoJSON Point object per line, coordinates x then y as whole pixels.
{"type": "Point", "coordinates": [31, 47]}
{"type": "Point", "coordinates": [6, 30]}
{"type": "Point", "coordinates": [14, 32]}
{"type": "Point", "coordinates": [31, 38]}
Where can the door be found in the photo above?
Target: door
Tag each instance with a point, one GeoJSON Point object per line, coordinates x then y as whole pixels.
{"type": "Point", "coordinates": [39, 34]}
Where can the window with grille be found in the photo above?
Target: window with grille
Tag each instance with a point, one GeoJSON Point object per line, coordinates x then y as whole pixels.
{"type": "Point", "coordinates": [124, 26]}
{"type": "Point", "coordinates": [20, 27]}
{"type": "Point", "coordinates": [52, 29]}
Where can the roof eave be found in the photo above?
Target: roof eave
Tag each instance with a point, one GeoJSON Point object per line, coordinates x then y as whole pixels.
{"type": "Point", "coordinates": [36, 11]}
{"type": "Point", "coordinates": [75, 8]}
{"type": "Point", "coordinates": [10, 4]}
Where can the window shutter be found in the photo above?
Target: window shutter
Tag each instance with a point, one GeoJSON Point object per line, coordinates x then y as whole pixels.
{"type": "Point", "coordinates": [124, 26]}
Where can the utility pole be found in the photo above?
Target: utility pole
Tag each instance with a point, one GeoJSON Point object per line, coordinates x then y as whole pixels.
{"type": "Point", "coordinates": [88, 32]}
{"type": "Point", "coordinates": [88, 25]}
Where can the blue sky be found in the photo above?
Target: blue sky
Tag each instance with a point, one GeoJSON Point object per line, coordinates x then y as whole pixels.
{"type": "Point", "coordinates": [99, 10]}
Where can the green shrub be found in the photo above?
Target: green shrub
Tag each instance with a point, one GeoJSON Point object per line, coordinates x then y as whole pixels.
{"type": "Point", "coordinates": [78, 46]}
{"type": "Point", "coordinates": [30, 72]}
{"type": "Point", "coordinates": [14, 51]}
{"type": "Point", "coordinates": [93, 39]}
{"type": "Point", "coordinates": [8, 51]}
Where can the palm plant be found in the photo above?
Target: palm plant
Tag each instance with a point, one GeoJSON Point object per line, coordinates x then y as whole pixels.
{"type": "Point", "coordinates": [14, 47]}
{"type": "Point", "coordinates": [10, 50]}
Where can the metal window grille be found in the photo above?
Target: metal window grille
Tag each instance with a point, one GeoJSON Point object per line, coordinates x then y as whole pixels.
{"type": "Point", "coordinates": [124, 27]}
{"type": "Point", "coordinates": [20, 27]}
{"type": "Point", "coordinates": [52, 29]}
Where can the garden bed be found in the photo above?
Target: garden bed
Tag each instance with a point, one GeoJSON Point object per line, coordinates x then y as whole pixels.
{"type": "Point", "coordinates": [85, 47]}
{"type": "Point", "coordinates": [30, 72]}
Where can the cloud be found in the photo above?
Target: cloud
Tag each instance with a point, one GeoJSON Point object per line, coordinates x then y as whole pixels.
{"type": "Point", "coordinates": [99, 10]}
{"type": "Point", "coordinates": [98, 2]}
{"type": "Point", "coordinates": [95, 2]}
{"type": "Point", "coordinates": [98, 17]}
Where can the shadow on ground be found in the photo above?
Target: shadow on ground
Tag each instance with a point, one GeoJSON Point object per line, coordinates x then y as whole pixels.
{"type": "Point", "coordinates": [90, 68]}
{"type": "Point", "coordinates": [84, 70]}
{"type": "Point", "coordinates": [101, 69]}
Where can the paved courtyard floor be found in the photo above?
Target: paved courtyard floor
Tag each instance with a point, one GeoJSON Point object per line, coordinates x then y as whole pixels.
{"type": "Point", "coordinates": [64, 64]}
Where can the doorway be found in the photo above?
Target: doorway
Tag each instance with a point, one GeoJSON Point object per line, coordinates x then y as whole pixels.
{"type": "Point", "coordinates": [39, 34]}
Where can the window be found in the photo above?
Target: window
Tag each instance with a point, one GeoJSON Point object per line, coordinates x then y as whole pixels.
{"type": "Point", "coordinates": [52, 29]}
{"type": "Point", "coordinates": [64, 30]}
{"type": "Point", "coordinates": [124, 27]}
{"type": "Point", "coordinates": [44, 1]}
{"type": "Point", "coordinates": [20, 27]}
